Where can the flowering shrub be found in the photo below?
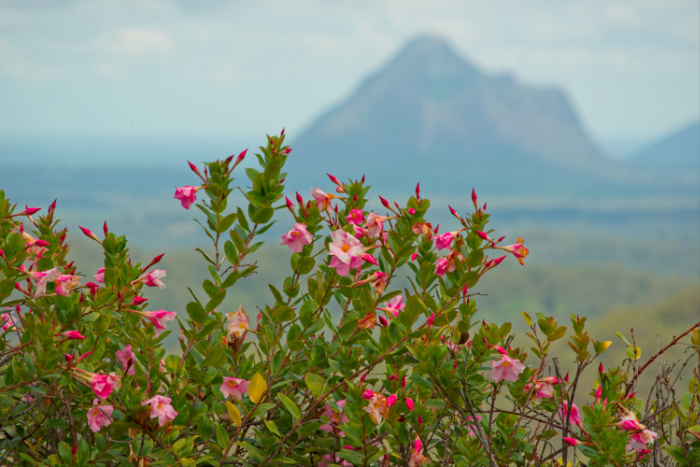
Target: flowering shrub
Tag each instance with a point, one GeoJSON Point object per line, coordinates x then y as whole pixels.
{"type": "Point", "coordinates": [342, 367]}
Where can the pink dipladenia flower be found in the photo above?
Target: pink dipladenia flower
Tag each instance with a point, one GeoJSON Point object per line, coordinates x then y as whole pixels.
{"type": "Point", "coordinates": [356, 216]}
{"type": "Point", "coordinates": [394, 306]}
{"type": "Point", "coordinates": [102, 385]}
{"type": "Point", "coordinates": [296, 238]}
{"type": "Point", "coordinates": [374, 225]}
{"type": "Point", "coordinates": [127, 359]}
{"type": "Point", "coordinates": [543, 387]}
{"type": "Point", "coordinates": [234, 387]}
{"type": "Point", "coordinates": [336, 418]}
{"type": "Point", "coordinates": [444, 241]}
{"type": "Point", "coordinates": [237, 323]}
{"type": "Point", "coordinates": [152, 279]}
{"type": "Point", "coordinates": [187, 195]}
{"type": "Point", "coordinates": [161, 408]}
{"type": "Point", "coordinates": [41, 278]}
{"type": "Point", "coordinates": [65, 283]}
{"type": "Point", "coordinates": [158, 318]}
{"type": "Point", "coordinates": [346, 250]}
{"type": "Point", "coordinates": [417, 458]}
{"type": "Point", "coordinates": [506, 369]}
{"type": "Point", "coordinates": [517, 250]}
{"type": "Point", "coordinates": [640, 435]}
{"type": "Point", "coordinates": [323, 200]}
{"type": "Point", "coordinates": [378, 281]}
{"type": "Point", "coordinates": [8, 322]}
{"type": "Point", "coordinates": [100, 276]}
{"type": "Point", "coordinates": [445, 265]}
{"type": "Point", "coordinates": [378, 407]}
{"type": "Point", "coordinates": [573, 413]}
{"type": "Point", "coordinates": [99, 416]}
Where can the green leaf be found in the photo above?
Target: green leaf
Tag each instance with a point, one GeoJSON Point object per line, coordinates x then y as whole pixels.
{"type": "Point", "coordinates": [272, 427]}
{"type": "Point", "coordinates": [196, 312]}
{"type": "Point", "coordinates": [226, 222]}
{"type": "Point", "coordinates": [315, 383]}
{"type": "Point", "coordinates": [290, 406]}
{"type": "Point", "coordinates": [262, 215]}
{"type": "Point", "coordinates": [216, 301]}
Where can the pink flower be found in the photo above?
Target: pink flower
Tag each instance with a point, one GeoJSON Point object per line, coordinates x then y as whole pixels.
{"type": "Point", "coordinates": [356, 216]}
{"type": "Point", "coordinates": [102, 385]}
{"type": "Point", "coordinates": [443, 241]}
{"type": "Point", "coordinates": [234, 387]}
{"type": "Point", "coordinates": [471, 427]}
{"type": "Point", "coordinates": [417, 458]}
{"type": "Point", "coordinates": [152, 279]}
{"type": "Point", "coordinates": [345, 247]}
{"type": "Point", "coordinates": [127, 358]}
{"type": "Point", "coordinates": [573, 413]}
{"type": "Point", "coordinates": [41, 278]}
{"type": "Point", "coordinates": [640, 436]}
{"type": "Point", "coordinates": [237, 323]}
{"type": "Point", "coordinates": [323, 200]}
{"type": "Point", "coordinates": [378, 407]}
{"type": "Point", "coordinates": [375, 224]}
{"type": "Point", "coordinates": [65, 282]}
{"type": "Point", "coordinates": [187, 195]}
{"type": "Point", "coordinates": [445, 265]}
{"type": "Point", "coordinates": [158, 318]}
{"type": "Point", "coordinates": [543, 387]}
{"type": "Point", "coordinates": [507, 369]}
{"type": "Point", "coordinates": [161, 408]}
{"type": "Point", "coordinates": [394, 306]}
{"type": "Point", "coordinates": [517, 250]}
{"type": "Point", "coordinates": [99, 416]}
{"type": "Point", "coordinates": [93, 287]}
{"type": "Point", "coordinates": [378, 281]}
{"type": "Point", "coordinates": [346, 250]}
{"type": "Point", "coordinates": [336, 418]}
{"type": "Point", "coordinates": [8, 322]}
{"type": "Point", "coordinates": [100, 276]}
{"type": "Point", "coordinates": [296, 238]}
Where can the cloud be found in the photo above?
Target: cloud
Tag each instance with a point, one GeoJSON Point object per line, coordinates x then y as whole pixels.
{"type": "Point", "coordinates": [139, 42]}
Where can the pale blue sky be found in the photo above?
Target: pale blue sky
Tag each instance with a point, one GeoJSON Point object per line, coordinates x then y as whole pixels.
{"type": "Point", "coordinates": [240, 69]}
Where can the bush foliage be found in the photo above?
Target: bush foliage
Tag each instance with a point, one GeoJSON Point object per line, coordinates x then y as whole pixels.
{"type": "Point", "coordinates": [342, 368]}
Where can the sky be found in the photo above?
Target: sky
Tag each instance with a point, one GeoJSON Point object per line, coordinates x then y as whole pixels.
{"type": "Point", "coordinates": [240, 69]}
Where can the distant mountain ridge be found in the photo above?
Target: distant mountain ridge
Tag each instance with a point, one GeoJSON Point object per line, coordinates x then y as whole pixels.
{"type": "Point", "coordinates": [430, 112]}
{"type": "Point", "coordinates": [679, 150]}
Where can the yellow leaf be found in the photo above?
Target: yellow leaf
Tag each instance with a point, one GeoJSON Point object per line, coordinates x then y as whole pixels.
{"type": "Point", "coordinates": [257, 387]}
{"type": "Point", "coordinates": [528, 320]}
{"type": "Point", "coordinates": [233, 413]}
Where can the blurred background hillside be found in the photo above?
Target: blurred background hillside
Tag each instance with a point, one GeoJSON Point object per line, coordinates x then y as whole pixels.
{"type": "Point", "coordinates": [577, 123]}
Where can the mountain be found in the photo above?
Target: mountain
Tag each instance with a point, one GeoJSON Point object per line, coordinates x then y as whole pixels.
{"type": "Point", "coordinates": [431, 113]}
{"type": "Point", "coordinates": [674, 153]}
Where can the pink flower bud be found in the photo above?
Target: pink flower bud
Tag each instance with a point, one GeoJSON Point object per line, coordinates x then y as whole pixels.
{"type": "Point", "coordinates": [241, 156]}
{"type": "Point", "coordinates": [411, 211]}
{"type": "Point", "coordinates": [383, 322]}
{"type": "Point", "coordinates": [138, 300]}
{"type": "Point", "coordinates": [571, 441]}
{"type": "Point", "coordinates": [71, 335]}
{"type": "Point", "coordinates": [430, 320]}
{"type": "Point", "coordinates": [418, 190]}
{"type": "Point", "coordinates": [105, 228]}
{"type": "Point", "coordinates": [28, 211]}
{"type": "Point", "coordinates": [474, 197]}
{"type": "Point", "coordinates": [385, 203]}
{"type": "Point", "coordinates": [368, 394]}
{"type": "Point", "coordinates": [290, 205]}
{"type": "Point", "coordinates": [409, 404]}
{"type": "Point", "coordinates": [334, 179]}
{"type": "Point", "coordinates": [391, 400]}
{"type": "Point", "coordinates": [414, 256]}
